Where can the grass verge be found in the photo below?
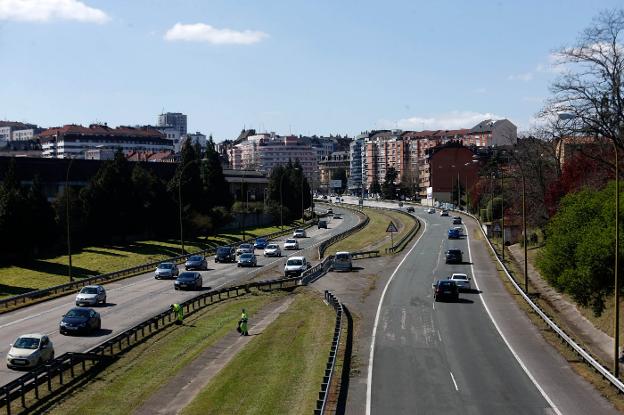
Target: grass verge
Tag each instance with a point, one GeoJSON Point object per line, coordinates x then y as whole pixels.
{"type": "Point", "coordinates": [90, 261]}
{"type": "Point", "coordinates": [280, 371]}
{"type": "Point", "coordinates": [128, 382]}
{"type": "Point", "coordinates": [369, 236]}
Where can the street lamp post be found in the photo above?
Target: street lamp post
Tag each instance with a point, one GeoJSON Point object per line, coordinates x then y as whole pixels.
{"type": "Point", "coordinates": [180, 202]}
{"type": "Point", "coordinates": [616, 290]}
{"type": "Point", "coordinates": [524, 234]}
{"type": "Point", "coordinates": [502, 217]}
{"type": "Point", "coordinates": [67, 210]}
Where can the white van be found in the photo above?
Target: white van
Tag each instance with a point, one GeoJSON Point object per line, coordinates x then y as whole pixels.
{"type": "Point", "coordinates": [342, 261]}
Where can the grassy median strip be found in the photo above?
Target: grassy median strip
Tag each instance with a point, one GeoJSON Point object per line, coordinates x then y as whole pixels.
{"type": "Point", "coordinates": [128, 382]}
{"type": "Point", "coordinates": [369, 237]}
{"type": "Point", "coordinates": [90, 261]}
{"type": "Point", "coordinates": [280, 371]}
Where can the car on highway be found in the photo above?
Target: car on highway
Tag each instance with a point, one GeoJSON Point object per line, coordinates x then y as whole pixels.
{"type": "Point", "coordinates": [91, 295]}
{"type": "Point", "coordinates": [410, 209]}
{"type": "Point", "coordinates": [260, 243]}
{"type": "Point", "coordinates": [80, 320]}
{"type": "Point", "coordinates": [431, 210]}
{"type": "Point", "coordinates": [299, 233]}
{"type": "Point", "coordinates": [322, 224]}
{"type": "Point", "coordinates": [247, 260]}
{"type": "Point", "coordinates": [445, 289]}
{"type": "Point", "coordinates": [166, 270]}
{"type": "Point", "coordinates": [330, 211]}
{"type": "Point", "coordinates": [29, 350]}
{"type": "Point", "coordinates": [225, 254]}
{"type": "Point", "coordinates": [454, 256]}
{"type": "Point", "coordinates": [337, 216]}
{"type": "Point", "coordinates": [245, 249]}
{"type": "Point", "coordinates": [444, 212]}
{"type": "Point", "coordinates": [454, 233]}
{"type": "Point", "coordinates": [291, 244]}
{"type": "Point", "coordinates": [457, 220]}
{"type": "Point", "coordinates": [195, 262]}
{"type": "Point", "coordinates": [295, 266]}
{"type": "Point", "coordinates": [342, 261]}
{"type": "Point", "coordinates": [462, 281]}
{"type": "Point", "coordinates": [272, 250]}
{"type": "Point", "coordinates": [188, 280]}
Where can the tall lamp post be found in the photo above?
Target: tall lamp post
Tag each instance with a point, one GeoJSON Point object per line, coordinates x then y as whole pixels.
{"type": "Point", "coordinates": [616, 290]}
{"type": "Point", "coordinates": [180, 201]}
{"type": "Point", "coordinates": [67, 210]}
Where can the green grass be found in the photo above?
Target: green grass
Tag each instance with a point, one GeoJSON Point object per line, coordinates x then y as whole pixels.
{"type": "Point", "coordinates": [42, 273]}
{"type": "Point", "coordinates": [369, 237]}
{"type": "Point", "coordinates": [130, 381]}
{"type": "Point", "coordinates": [280, 371]}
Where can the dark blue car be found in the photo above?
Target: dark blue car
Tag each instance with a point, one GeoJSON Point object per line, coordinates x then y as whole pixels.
{"type": "Point", "coordinates": [453, 233]}
{"type": "Point", "coordinates": [80, 320]}
{"type": "Point", "coordinates": [261, 243]}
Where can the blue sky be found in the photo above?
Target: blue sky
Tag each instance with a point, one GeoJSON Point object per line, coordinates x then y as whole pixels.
{"type": "Point", "coordinates": [306, 67]}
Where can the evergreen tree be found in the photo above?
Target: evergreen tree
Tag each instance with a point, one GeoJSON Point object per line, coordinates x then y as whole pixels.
{"type": "Point", "coordinates": [42, 218]}
{"type": "Point", "coordinates": [389, 187]}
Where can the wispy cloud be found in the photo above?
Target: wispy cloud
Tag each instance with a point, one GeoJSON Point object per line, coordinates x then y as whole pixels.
{"type": "Point", "coordinates": [446, 121]}
{"type": "Point", "coordinates": [50, 10]}
{"type": "Point", "coordinates": [200, 32]}
{"type": "Point", "coordinates": [555, 64]}
{"type": "Point", "coordinates": [524, 77]}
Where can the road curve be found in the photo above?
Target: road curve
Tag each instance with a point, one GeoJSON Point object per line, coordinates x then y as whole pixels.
{"type": "Point", "coordinates": [135, 299]}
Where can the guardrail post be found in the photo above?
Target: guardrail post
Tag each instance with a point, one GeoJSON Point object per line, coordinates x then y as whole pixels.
{"type": "Point", "coordinates": [8, 401]}
{"type": "Point", "coordinates": [36, 383]}
{"type": "Point", "coordinates": [49, 378]}
{"type": "Point", "coordinates": [61, 374]}
{"type": "Point", "coordinates": [71, 366]}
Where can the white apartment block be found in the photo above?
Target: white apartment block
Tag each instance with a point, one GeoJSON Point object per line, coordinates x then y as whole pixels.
{"type": "Point", "coordinates": [73, 141]}
{"type": "Point", "coordinates": [263, 152]}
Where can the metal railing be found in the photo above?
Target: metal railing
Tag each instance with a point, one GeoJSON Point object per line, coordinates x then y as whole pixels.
{"type": "Point", "coordinates": [27, 389]}
{"type": "Point", "coordinates": [25, 299]}
{"type": "Point", "coordinates": [321, 402]}
{"type": "Point", "coordinates": [325, 244]}
{"type": "Point", "coordinates": [364, 254]}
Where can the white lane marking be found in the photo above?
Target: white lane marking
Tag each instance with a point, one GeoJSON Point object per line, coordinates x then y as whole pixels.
{"type": "Point", "coordinates": [433, 304]}
{"type": "Point", "coordinates": [403, 319]}
{"type": "Point", "coordinates": [454, 383]}
{"type": "Point", "coordinates": [369, 381]}
{"type": "Point", "coordinates": [439, 336]}
{"type": "Point", "coordinates": [513, 352]}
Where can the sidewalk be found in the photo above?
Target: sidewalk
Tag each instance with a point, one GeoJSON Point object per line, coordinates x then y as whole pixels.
{"type": "Point", "coordinates": [599, 343]}
{"type": "Point", "coordinates": [176, 394]}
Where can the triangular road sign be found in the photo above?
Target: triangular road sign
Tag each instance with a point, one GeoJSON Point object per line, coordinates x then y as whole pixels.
{"type": "Point", "coordinates": [391, 227]}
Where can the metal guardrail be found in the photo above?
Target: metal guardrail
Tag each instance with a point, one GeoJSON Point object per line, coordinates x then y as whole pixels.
{"type": "Point", "coordinates": [325, 244]}
{"type": "Point", "coordinates": [27, 389]}
{"type": "Point", "coordinates": [321, 402]}
{"type": "Point", "coordinates": [23, 299]}
{"type": "Point", "coordinates": [364, 254]}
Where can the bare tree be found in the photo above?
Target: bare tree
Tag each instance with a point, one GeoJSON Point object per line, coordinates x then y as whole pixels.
{"type": "Point", "coordinates": [589, 91]}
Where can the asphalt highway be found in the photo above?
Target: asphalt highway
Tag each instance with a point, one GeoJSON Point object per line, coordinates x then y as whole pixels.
{"type": "Point", "coordinates": [135, 299]}
{"type": "Point", "coordinates": [479, 355]}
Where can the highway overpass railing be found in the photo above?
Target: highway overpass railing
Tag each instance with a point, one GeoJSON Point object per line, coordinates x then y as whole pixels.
{"type": "Point", "coordinates": [25, 299]}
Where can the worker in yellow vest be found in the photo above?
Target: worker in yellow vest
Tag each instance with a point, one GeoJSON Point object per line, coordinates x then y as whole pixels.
{"type": "Point", "coordinates": [243, 324]}
{"type": "Point", "coordinates": [178, 310]}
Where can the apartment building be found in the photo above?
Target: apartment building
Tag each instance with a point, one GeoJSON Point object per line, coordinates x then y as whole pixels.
{"type": "Point", "coordinates": [72, 141]}
{"type": "Point", "coordinates": [263, 152]}
{"type": "Point", "coordinates": [17, 131]}
{"type": "Point", "coordinates": [355, 184]}
{"type": "Point", "coordinates": [332, 163]}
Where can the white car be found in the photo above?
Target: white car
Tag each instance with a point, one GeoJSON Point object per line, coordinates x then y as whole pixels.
{"type": "Point", "coordinates": [30, 350]}
{"type": "Point", "coordinates": [245, 249]}
{"type": "Point", "coordinates": [291, 244]}
{"type": "Point", "coordinates": [272, 250]}
{"type": "Point", "coordinates": [299, 233]}
{"type": "Point", "coordinates": [431, 210]}
{"type": "Point", "coordinates": [91, 295]}
{"type": "Point", "coordinates": [461, 280]}
{"type": "Point", "coordinates": [295, 266]}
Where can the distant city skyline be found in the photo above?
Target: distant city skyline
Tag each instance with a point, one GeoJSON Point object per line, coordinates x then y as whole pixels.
{"type": "Point", "coordinates": [289, 67]}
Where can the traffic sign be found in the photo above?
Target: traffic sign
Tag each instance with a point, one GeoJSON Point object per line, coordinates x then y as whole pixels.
{"type": "Point", "coordinates": [391, 227]}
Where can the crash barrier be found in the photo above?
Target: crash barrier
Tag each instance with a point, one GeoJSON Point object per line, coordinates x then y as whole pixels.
{"type": "Point", "coordinates": [321, 402]}
{"type": "Point", "coordinates": [28, 390]}
{"type": "Point", "coordinates": [325, 244]}
{"type": "Point", "coordinates": [22, 300]}
{"type": "Point", "coordinates": [45, 379]}
{"type": "Point", "coordinates": [312, 274]}
{"type": "Point", "coordinates": [364, 254]}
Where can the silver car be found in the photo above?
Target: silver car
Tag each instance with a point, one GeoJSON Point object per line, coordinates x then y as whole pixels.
{"type": "Point", "coordinates": [166, 270]}
{"type": "Point", "coordinates": [195, 262]}
{"type": "Point", "coordinates": [30, 350]}
{"type": "Point", "coordinates": [461, 280]}
{"type": "Point", "coordinates": [272, 250]}
{"type": "Point", "coordinates": [245, 249]}
{"type": "Point", "coordinates": [291, 244]}
{"type": "Point", "coordinates": [91, 295]}
{"type": "Point", "coordinates": [299, 233]}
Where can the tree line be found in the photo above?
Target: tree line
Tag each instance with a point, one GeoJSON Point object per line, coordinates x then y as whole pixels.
{"type": "Point", "coordinates": [123, 201]}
